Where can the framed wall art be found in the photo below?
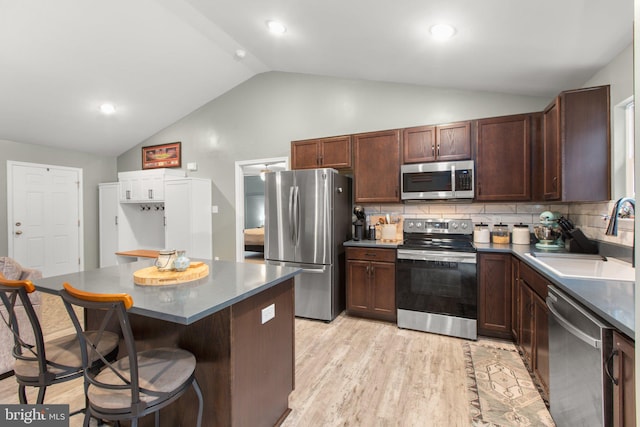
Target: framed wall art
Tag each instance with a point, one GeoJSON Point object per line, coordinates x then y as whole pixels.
{"type": "Point", "coordinates": [162, 156]}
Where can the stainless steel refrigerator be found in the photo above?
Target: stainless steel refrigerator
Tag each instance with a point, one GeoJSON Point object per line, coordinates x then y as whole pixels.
{"type": "Point", "coordinates": [308, 218]}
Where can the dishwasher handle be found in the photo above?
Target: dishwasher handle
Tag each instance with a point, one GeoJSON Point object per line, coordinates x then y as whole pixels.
{"type": "Point", "coordinates": [571, 328]}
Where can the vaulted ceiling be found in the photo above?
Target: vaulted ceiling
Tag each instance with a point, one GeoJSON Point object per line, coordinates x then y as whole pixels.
{"type": "Point", "coordinates": [159, 60]}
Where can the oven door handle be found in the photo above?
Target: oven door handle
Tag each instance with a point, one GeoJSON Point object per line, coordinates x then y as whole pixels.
{"type": "Point", "coordinates": [436, 256]}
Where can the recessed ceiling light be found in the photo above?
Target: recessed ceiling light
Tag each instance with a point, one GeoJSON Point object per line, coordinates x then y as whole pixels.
{"type": "Point", "coordinates": [240, 54]}
{"type": "Point", "coordinates": [107, 108]}
{"type": "Point", "coordinates": [442, 31]}
{"type": "Point", "coordinates": [276, 27]}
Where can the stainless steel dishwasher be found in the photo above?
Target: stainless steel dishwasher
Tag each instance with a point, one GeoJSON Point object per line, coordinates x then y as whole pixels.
{"type": "Point", "coordinates": [580, 393]}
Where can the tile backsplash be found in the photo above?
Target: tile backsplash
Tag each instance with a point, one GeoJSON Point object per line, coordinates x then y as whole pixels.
{"type": "Point", "coordinates": [591, 218]}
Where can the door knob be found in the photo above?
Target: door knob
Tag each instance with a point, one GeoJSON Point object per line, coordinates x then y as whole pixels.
{"type": "Point", "coordinates": [18, 232]}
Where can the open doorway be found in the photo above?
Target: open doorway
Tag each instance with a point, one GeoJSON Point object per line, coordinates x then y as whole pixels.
{"type": "Point", "coordinates": [250, 205]}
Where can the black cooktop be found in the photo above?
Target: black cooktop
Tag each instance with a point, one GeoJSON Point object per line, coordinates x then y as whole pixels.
{"type": "Point", "coordinates": [438, 234]}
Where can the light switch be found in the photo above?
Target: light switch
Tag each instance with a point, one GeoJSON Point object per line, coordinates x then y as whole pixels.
{"type": "Point", "coordinates": [214, 209]}
{"type": "Point", "coordinates": [193, 166]}
{"type": "Point", "coordinates": [268, 313]}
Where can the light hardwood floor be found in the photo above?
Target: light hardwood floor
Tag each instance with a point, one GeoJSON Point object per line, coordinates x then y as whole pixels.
{"type": "Point", "coordinates": [354, 372]}
{"type": "Point", "coordinates": [357, 372]}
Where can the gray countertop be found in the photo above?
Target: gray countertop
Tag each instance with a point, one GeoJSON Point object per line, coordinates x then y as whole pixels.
{"type": "Point", "coordinates": [226, 284]}
{"type": "Point", "coordinates": [373, 243]}
{"type": "Point", "coordinates": [613, 301]}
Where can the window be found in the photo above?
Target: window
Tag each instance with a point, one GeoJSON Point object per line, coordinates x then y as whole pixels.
{"type": "Point", "coordinates": [629, 148]}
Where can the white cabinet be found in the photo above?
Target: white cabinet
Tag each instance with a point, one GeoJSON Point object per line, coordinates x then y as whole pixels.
{"type": "Point", "coordinates": [145, 185]}
{"type": "Point", "coordinates": [188, 216]}
{"type": "Point", "coordinates": [108, 207]}
{"type": "Point", "coordinates": [182, 221]}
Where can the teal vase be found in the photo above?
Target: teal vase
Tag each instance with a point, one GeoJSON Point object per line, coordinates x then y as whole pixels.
{"type": "Point", "coordinates": [182, 262]}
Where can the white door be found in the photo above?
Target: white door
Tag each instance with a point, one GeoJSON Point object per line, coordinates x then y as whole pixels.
{"type": "Point", "coordinates": [44, 211]}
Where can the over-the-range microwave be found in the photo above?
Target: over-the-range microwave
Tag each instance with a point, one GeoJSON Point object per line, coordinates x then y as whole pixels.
{"type": "Point", "coordinates": [438, 180]}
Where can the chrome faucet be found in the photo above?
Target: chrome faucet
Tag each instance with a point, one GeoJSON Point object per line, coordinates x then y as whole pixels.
{"type": "Point", "coordinates": [620, 211]}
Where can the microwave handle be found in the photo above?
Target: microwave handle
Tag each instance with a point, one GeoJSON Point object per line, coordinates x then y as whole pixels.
{"type": "Point", "coordinates": [453, 177]}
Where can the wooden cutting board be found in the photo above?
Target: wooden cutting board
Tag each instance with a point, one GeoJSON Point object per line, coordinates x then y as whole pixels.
{"type": "Point", "coordinates": [151, 276]}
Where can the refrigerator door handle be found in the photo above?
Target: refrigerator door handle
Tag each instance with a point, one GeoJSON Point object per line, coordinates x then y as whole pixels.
{"type": "Point", "coordinates": [296, 215]}
{"type": "Point", "coordinates": [292, 227]}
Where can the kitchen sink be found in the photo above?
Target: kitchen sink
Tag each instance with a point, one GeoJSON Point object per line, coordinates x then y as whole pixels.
{"type": "Point", "coordinates": [585, 266]}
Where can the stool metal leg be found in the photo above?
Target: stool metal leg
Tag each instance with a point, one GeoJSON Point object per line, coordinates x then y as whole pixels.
{"type": "Point", "coordinates": [196, 387]}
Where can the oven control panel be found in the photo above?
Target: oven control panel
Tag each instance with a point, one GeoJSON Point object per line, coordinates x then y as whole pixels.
{"type": "Point", "coordinates": [445, 226]}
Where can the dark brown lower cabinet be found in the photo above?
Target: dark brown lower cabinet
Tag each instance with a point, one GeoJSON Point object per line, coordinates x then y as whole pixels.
{"type": "Point", "coordinates": [541, 341]}
{"type": "Point", "coordinates": [494, 304]}
{"type": "Point", "coordinates": [624, 395]}
{"type": "Point", "coordinates": [533, 317]}
{"type": "Point", "coordinates": [515, 298]}
{"type": "Point", "coordinates": [371, 278]}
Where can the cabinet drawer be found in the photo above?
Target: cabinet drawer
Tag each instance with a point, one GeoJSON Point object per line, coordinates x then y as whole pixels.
{"type": "Point", "coordinates": [372, 254]}
{"type": "Point", "coordinates": [535, 281]}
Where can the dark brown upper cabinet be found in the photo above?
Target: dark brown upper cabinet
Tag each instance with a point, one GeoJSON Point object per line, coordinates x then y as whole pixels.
{"type": "Point", "coordinates": [431, 143]}
{"type": "Point", "coordinates": [376, 168]}
{"type": "Point", "coordinates": [576, 146]}
{"type": "Point", "coordinates": [503, 158]}
{"type": "Point", "coordinates": [333, 152]}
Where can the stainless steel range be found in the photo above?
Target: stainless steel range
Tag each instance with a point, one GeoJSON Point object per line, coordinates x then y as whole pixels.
{"type": "Point", "coordinates": [436, 286]}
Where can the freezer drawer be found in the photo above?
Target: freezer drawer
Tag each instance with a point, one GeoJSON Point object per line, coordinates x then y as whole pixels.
{"type": "Point", "coordinates": [316, 294]}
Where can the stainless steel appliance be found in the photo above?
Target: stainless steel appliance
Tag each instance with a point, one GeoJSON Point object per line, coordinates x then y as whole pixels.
{"type": "Point", "coordinates": [436, 285]}
{"type": "Point", "coordinates": [438, 180]}
{"type": "Point", "coordinates": [580, 393]}
{"type": "Point", "coordinates": [308, 218]}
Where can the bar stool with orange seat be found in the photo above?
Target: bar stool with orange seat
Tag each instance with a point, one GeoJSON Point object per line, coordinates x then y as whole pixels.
{"type": "Point", "coordinates": [41, 363]}
{"type": "Point", "coordinates": [139, 383]}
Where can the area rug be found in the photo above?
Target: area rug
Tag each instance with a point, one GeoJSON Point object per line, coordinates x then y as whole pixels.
{"type": "Point", "coordinates": [500, 389]}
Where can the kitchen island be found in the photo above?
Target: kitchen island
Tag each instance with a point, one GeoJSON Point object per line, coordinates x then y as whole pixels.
{"type": "Point", "coordinates": [238, 321]}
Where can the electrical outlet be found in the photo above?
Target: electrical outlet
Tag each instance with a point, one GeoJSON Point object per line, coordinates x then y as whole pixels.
{"type": "Point", "coordinates": [268, 313]}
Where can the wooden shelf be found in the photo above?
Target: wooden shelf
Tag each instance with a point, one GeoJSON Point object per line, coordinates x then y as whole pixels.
{"type": "Point", "coordinates": [140, 253]}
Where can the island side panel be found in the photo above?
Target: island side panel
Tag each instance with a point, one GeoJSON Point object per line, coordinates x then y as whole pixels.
{"type": "Point", "coordinates": [209, 340]}
{"type": "Point", "coordinates": [263, 357]}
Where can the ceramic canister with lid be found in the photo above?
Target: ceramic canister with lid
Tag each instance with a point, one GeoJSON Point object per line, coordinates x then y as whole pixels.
{"type": "Point", "coordinates": [481, 233]}
{"type": "Point", "coordinates": [521, 234]}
